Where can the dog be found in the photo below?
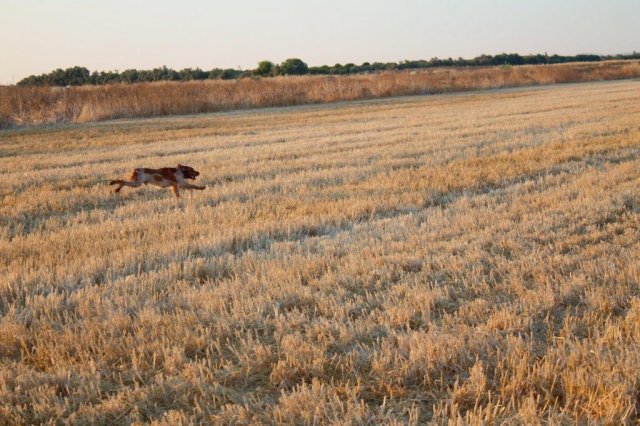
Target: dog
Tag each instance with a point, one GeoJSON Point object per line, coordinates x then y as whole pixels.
{"type": "Point", "coordinates": [174, 177]}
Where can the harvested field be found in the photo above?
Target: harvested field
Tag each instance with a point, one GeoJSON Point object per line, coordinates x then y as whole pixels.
{"type": "Point", "coordinates": [471, 257]}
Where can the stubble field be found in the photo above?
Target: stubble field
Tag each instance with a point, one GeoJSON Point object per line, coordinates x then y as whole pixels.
{"type": "Point", "coordinates": [468, 258]}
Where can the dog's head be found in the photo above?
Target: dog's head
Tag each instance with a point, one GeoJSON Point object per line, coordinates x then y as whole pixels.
{"type": "Point", "coordinates": [188, 172]}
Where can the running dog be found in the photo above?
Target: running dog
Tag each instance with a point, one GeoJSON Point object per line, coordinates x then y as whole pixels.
{"type": "Point", "coordinates": [165, 177]}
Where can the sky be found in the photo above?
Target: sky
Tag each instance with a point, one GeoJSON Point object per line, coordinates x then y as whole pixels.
{"type": "Point", "coordinates": [39, 36]}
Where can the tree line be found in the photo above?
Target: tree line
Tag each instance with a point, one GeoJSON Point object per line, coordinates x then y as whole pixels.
{"type": "Point", "coordinates": [77, 76]}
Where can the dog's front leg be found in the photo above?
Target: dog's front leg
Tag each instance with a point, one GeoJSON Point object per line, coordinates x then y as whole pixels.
{"type": "Point", "coordinates": [190, 186]}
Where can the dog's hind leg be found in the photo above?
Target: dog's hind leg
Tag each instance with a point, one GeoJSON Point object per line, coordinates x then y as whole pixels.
{"type": "Point", "coordinates": [134, 181]}
{"type": "Point", "coordinates": [121, 183]}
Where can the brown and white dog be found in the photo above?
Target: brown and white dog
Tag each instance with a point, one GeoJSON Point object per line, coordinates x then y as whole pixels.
{"type": "Point", "coordinates": [164, 177]}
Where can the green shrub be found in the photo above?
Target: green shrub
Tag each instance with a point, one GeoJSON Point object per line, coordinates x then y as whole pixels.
{"type": "Point", "coordinates": [293, 66]}
{"type": "Point", "coordinates": [265, 69]}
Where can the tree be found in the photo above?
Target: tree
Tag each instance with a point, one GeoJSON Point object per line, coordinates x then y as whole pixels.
{"type": "Point", "coordinates": [293, 66]}
{"type": "Point", "coordinates": [265, 69]}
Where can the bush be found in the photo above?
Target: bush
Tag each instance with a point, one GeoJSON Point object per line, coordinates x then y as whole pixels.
{"type": "Point", "coordinates": [293, 66]}
{"type": "Point", "coordinates": [215, 74]}
{"type": "Point", "coordinates": [129, 76]}
{"type": "Point", "coordinates": [265, 69]}
{"type": "Point", "coordinates": [230, 74]}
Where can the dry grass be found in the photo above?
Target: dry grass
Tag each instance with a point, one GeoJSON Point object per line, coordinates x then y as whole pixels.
{"type": "Point", "coordinates": [25, 106]}
{"type": "Point", "coordinates": [462, 258]}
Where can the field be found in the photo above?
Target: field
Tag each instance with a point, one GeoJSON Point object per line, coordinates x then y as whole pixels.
{"type": "Point", "coordinates": [20, 106]}
{"type": "Point", "coordinates": [465, 258]}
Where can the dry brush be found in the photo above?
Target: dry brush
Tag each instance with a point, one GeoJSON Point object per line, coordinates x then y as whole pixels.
{"type": "Point", "coordinates": [44, 105]}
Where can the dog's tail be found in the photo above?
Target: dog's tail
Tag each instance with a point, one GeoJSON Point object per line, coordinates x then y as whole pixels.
{"type": "Point", "coordinates": [115, 182]}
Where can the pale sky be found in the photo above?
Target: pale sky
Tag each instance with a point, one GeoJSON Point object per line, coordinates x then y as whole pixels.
{"type": "Point", "coordinates": [38, 36]}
